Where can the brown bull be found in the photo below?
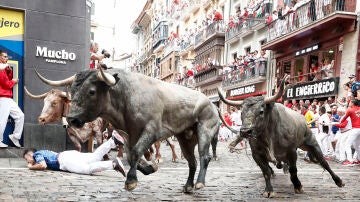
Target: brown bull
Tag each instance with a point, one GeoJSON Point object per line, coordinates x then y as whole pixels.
{"type": "Point", "coordinates": [56, 105]}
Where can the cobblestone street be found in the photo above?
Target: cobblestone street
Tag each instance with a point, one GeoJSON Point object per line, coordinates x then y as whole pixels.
{"type": "Point", "coordinates": [235, 177]}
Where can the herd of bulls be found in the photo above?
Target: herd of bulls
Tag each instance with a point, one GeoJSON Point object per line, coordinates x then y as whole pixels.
{"type": "Point", "coordinates": [146, 110]}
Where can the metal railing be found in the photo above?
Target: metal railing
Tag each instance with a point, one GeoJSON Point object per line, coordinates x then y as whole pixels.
{"type": "Point", "coordinates": [306, 14]}
{"type": "Point", "coordinates": [242, 73]}
{"type": "Point", "coordinates": [244, 25]}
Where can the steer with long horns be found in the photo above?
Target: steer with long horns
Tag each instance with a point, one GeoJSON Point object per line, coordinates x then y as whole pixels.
{"type": "Point", "coordinates": [56, 106]}
{"type": "Point", "coordinates": [148, 110]}
{"type": "Point", "coordinates": [275, 133]}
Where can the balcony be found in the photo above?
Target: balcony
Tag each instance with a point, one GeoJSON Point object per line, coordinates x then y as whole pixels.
{"type": "Point", "coordinates": [187, 44]}
{"type": "Point", "coordinates": [160, 33]}
{"type": "Point", "coordinates": [246, 27]}
{"type": "Point", "coordinates": [199, 38]}
{"type": "Point", "coordinates": [189, 8]}
{"type": "Point", "coordinates": [215, 29]}
{"type": "Point", "coordinates": [171, 46]}
{"type": "Point", "coordinates": [252, 73]}
{"type": "Point", "coordinates": [339, 18]}
{"type": "Point", "coordinates": [208, 76]}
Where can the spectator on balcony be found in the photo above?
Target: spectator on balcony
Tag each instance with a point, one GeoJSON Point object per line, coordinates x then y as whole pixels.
{"type": "Point", "coordinates": [313, 71]}
{"type": "Point", "coordinates": [217, 16]}
{"type": "Point", "coordinates": [268, 18]}
{"type": "Point", "coordinates": [327, 68]}
{"type": "Point", "coordinates": [327, 7]}
{"type": "Point", "coordinates": [246, 13]}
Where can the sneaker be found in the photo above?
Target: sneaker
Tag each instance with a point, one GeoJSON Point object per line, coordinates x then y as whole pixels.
{"type": "Point", "coordinates": [119, 141]}
{"type": "Point", "coordinates": [14, 140]}
{"type": "Point", "coordinates": [118, 166]}
{"type": "Point", "coordinates": [2, 145]}
{"type": "Point", "coordinates": [347, 163]}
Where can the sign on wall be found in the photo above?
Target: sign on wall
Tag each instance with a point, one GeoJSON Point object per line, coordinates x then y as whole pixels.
{"type": "Point", "coordinates": [242, 90]}
{"type": "Point", "coordinates": [322, 88]}
{"type": "Point", "coordinates": [55, 56]}
{"type": "Point", "coordinates": [12, 41]}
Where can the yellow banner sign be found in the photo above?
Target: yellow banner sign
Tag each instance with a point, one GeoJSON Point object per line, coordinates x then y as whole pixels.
{"type": "Point", "coordinates": [11, 23]}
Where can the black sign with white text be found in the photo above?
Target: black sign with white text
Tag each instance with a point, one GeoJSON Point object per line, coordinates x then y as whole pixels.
{"type": "Point", "coordinates": [313, 89]}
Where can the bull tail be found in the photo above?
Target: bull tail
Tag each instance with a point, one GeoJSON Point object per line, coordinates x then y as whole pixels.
{"type": "Point", "coordinates": [224, 122]}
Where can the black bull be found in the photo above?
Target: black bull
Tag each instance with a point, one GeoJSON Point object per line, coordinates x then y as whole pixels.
{"type": "Point", "coordinates": [147, 110]}
{"type": "Point", "coordinates": [275, 132]}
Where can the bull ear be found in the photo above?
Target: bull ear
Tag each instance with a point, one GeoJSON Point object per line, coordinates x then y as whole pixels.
{"type": "Point", "coordinates": [66, 96]}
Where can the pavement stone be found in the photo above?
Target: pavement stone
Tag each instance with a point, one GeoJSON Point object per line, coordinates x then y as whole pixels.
{"type": "Point", "coordinates": [235, 177]}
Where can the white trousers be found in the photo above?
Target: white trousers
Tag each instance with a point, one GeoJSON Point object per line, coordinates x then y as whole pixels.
{"type": "Point", "coordinates": [353, 139]}
{"type": "Point", "coordinates": [8, 107]}
{"type": "Point", "coordinates": [341, 145]}
{"type": "Point", "coordinates": [323, 140]}
{"type": "Point", "coordinates": [86, 163]}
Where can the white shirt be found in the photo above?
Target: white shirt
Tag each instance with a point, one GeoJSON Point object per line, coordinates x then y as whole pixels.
{"type": "Point", "coordinates": [324, 120]}
{"type": "Point", "coordinates": [236, 118]}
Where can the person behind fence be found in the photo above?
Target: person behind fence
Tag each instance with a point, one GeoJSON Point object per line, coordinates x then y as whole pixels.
{"type": "Point", "coordinates": [8, 106]}
{"type": "Point", "coordinates": [75, 161]}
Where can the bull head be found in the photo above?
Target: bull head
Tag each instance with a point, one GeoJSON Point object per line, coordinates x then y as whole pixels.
{"type": "Point", "coordinates": [55, 105]}
{"type": "Point", "coordinates": [254, 110]}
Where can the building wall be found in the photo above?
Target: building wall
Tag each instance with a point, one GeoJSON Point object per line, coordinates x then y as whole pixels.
{"type": "Point", "coordinates": [46, 21]}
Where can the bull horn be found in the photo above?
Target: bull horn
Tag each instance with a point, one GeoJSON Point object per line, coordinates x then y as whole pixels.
{"type": "Point", "coordinates": [106, 77]}
{"type": "Point", "coordinates": [65, 82]}
{"type": "Point", "coordinates": [278, 94]}
{"type": "Point", "coordinates": [225, 124]}
{"type": "Point", "coordinates": [229, 102]}
{"type": "Point", "coordinates": [34, 96]}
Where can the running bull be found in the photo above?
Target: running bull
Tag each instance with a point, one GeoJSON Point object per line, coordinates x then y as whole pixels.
{"type": "Point", "coordinates": [148, 110]}
{"type": "Point", "coordinates": [275, 132]}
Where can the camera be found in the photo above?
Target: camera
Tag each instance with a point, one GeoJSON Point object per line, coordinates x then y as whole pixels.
{"type": "Point", "coordinates": [105, 53]}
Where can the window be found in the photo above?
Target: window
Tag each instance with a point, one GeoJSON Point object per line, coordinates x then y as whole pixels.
{"type": "Point", "coordinates": [247, 49]}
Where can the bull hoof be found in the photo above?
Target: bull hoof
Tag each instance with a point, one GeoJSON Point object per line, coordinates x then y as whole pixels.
{"type": "Point", "coordinates": [270, 194]}
{"type": "Point", "coordinates": [299, 190]}
{"type": "Point", "coordinates": [340, 183]}
{"type": "Point", "coordinates": [154, 166]}
{"type": "Point", "coordinates": [199, 185]}
{"type": "Point", "coordinates": [131, 186]}
{"type": "Point", "coordinates": [215, 158]}
{"type": "Point", "coordinates": [188, 189]}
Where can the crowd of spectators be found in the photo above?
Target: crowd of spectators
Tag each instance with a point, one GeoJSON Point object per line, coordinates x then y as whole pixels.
{"type": "Point", "coordinates": [243, 67]}
{"type": "Point", "coordinates": [335, 125]}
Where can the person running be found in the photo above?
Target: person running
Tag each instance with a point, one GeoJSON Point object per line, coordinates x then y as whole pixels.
{"type": "Point", "coordinates": [75, 161]}
{"type": "Point", "coordinates": [354, 134]}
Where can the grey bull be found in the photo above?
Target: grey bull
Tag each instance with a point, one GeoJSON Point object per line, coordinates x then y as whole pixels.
{"type": "Point", "coordinates": [148, 110]}
{"type": "Point", "coordinates": [275, 132]}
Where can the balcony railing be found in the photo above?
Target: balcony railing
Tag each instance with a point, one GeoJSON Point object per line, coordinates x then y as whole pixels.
{"type": "Point", "coordinates": [160, 33]}
{"type": "Point", "coordinates": [243, 26]}
{"type": "Point", "coordinates": [243, 73]}
{"type": "Point", "coordinates": [307, 14]}
{"type": "Point", "coordinates": [208, 75]}
{"type": "Point", "coordinates": [215, 27]}
{"type": "Point", "coordinates": [199, 38]}
{"type": "Point", "coordinates": [171, 46]}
